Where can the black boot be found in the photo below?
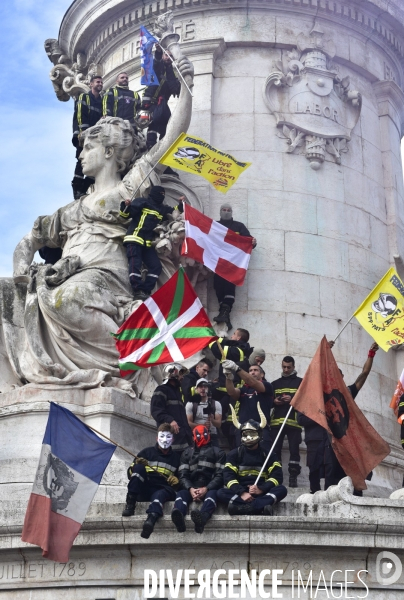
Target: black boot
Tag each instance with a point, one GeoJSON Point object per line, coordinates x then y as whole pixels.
{"type": "Point", "coordinates": [148, 525]}
{"type": "Point", "coordinates": [200, 519]}
{"type": "Point", "coordinates": [269, 510]}
{"type": "Point", "coordinates": [129, 509]}
{"type": "Point", "coordinates": [294, 471]}
{"type": "Point", "coordinates": [224, 315]}
{"type": "Point", "coordinates": [178, 519]}
{"type": "Point", "coordinates": [241, 509]}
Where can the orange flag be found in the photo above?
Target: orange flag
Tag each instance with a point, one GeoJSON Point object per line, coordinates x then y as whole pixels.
{"type": "Point", "coordinates": [398, 392]}
{"type": "Point", "coordinates": [324, 397]}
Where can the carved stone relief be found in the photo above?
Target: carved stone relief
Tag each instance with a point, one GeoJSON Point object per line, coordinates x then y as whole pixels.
{"type": "Point", "coordinates": [314, 108]}
{"type": "Point", "coordinates": [69, 79]}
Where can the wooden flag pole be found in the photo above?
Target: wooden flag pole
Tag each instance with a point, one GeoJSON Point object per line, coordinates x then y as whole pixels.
{"type": "Point", "coordinates": [347, 323]}
{"type": "Point", "coordinates": [273, 445]}
{"type": "Point", "coordinates": [115, 443]}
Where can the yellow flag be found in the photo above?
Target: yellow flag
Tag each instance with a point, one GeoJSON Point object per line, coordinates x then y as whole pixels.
{"type": "Point", "coordinates": [192, 154]}
{"type": "Point", "coordinates": [382, 313]}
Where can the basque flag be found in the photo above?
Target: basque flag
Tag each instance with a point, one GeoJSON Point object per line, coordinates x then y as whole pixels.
{"type": "Point", "coordinates": [71, 466]}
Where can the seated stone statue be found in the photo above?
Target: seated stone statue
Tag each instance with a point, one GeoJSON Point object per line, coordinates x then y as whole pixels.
{"type": "Point", "coordinates": [57, 319]}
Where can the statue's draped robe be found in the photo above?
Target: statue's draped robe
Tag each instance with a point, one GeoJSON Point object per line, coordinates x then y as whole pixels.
{"type": "Point", "coordinates": [72, 308]}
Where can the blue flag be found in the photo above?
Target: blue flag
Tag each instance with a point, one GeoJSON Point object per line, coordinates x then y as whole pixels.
{"type": "Point", "coordinates": [72, 462]}
{"type": "Point", "coordinates": [147, 41]}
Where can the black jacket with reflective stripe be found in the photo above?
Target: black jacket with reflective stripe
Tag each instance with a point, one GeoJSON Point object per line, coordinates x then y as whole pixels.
{"type": "Point", "coordinates": [243, 466]}
{"type": "Point", "coordinates": [167, 404]}
{"type": "Point", "coordinates": [202, 467]}
{"type": "Point", "coordinates": [121, 102]}
{"type": "Point", "coordinates": [285, 385]}
{"type": "Point", "coordinates": [87, 112]}
{"type": "Point", "coordinates": [145, 215]}
{"type": "Point", "coordinates": [235, 350]}
{"type": "Point", "coordinates": [166, 464]}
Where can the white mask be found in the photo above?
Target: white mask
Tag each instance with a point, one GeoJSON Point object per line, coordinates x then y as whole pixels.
{"type": "Point", "coordinates": [165, 439]}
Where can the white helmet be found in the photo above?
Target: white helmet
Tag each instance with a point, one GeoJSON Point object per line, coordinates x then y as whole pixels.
{"type": "Point", "coordinates": [173, 371]}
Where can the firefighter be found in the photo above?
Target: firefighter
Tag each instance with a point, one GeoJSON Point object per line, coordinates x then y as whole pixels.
{"type": "Point", "coordinates": [226, 291]}
{"type": "Point", "coordinates": [146, 214]}
{"type": "Point", "coordinates": [254, 393]}
{"type": "Point", "coordinates": [167, 406]}
{"type": "Point", "coordinates": [87, 112]}
{"type": "Point", "coordinates": [238, 349]}
{"type": "Point", "coordinates": [188, 383]}
{"type": "Point", "coordinates": [243, 465]}
{"type": "Point", "coordinates": [201, 475]}
{"type": "Point", "coordinates": [120, 101]}
{"type": "Point", "coordinates": [152, 476]}
{"type": "Point", "coordinates": [155, 97]}
{"type": "Point", "coordinates": [284, 389]}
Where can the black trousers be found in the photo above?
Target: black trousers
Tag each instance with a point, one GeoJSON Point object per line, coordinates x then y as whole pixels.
{"type": "Point", "coordinates": [140, 487]}
{"type": "Point", "coordinates": [276, 494]}
{"type": "Point", "coordinates": [225, 291]}
{"type": "Point", "coordinates": [184, 499]}
{"type": "Point", "coordinates": [158, 126]}
{"type": "Point", "coordinates": [294, 435]}
{"type": "Point", "coordinates": [137, 256]}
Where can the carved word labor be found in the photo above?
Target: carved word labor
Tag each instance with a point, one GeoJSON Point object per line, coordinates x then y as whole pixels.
{"type": "Point", "coordinates": [316, 109]}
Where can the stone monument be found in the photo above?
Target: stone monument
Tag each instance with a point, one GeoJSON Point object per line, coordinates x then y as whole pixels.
{"type": "Point", "coordinates": [309, 91]}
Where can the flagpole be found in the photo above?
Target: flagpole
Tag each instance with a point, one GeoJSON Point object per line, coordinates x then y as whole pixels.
{"type": "Point", "coordinates": [115, 443]}
{"type": "Point", "coordinates": [178, 71]}
{"type": "Point", "coordinates": [142, 182]}
{"type": "Point", "coordinates": [347, 323]}
{"type": "Point", "coordinates": [273, 445]}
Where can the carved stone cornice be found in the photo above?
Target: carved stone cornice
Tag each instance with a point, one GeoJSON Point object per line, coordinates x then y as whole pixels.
{"type": "Point", "coordinates": [389, 92]}
{"type": "Point", "coordinates": [82, 30]}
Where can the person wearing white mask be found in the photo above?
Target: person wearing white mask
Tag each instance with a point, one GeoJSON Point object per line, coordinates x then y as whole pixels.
{"type": "Point", "coordinates": [152, 477]}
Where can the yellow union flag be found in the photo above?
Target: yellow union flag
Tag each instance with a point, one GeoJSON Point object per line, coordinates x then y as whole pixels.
{"type": "Point", "coordinates": [382, 312]}
{"type": "Point", "coordinates": [194, 155]}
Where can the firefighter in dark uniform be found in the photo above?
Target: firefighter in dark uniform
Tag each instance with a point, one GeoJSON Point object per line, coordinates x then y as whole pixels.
{"type": "Point", "coordinates": [201, 476]}
{"type": "Point", "coordinates": [146, 214]}
{"type": "Point", "coordinates": [156, 97]}
{"type": "Point", "coordinates": [238, 349]}
{"type": "Point", "coordinates": [284, 389]}
{"type": "Point", "coordinates": [255, 392]}
{"type": "Point", "coordinates": [87, 112]}
{"type": "Point", "coordinates": [242, 468]}
{"type": "Point", "coordinates": [189, 380]}
{"type": "Point", "coordinates": [120, 101]}
{"type": "Point", "coordinates": [225, 290]}
{"type": "Point", "coordinates": [152, 476]}
{"type": "Point", "coordinates": [167, 406]}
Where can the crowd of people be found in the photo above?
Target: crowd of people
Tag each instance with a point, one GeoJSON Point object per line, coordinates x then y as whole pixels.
{"type": "Point", "coordinates": [240, 412]}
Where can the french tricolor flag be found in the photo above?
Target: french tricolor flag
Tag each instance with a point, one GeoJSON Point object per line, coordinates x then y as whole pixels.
{"type": "Point", "coordinates": [71, 466]}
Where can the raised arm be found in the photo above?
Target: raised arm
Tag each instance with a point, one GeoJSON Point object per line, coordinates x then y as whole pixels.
{"type": "Point", "coordinates": [367, 367]}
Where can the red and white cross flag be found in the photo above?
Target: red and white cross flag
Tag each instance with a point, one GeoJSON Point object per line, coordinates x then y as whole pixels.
{"type": "Point", "coordinates": [221, 250]}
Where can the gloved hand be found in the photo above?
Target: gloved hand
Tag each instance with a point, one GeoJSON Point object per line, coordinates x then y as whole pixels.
{"type": "Point", "coordinates": [173, 480]}
{"type": "Point", "coordinates": [229, 366]}
{"type": "Point", "coordinates": [141, 461]}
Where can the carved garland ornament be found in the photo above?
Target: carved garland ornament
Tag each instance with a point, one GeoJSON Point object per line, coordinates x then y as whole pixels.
{"type": "Point", "coordinates": [315, 110]}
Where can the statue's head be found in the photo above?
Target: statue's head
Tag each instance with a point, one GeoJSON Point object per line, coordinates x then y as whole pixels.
{"type": "Point", "coordinates": [111, 139]}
